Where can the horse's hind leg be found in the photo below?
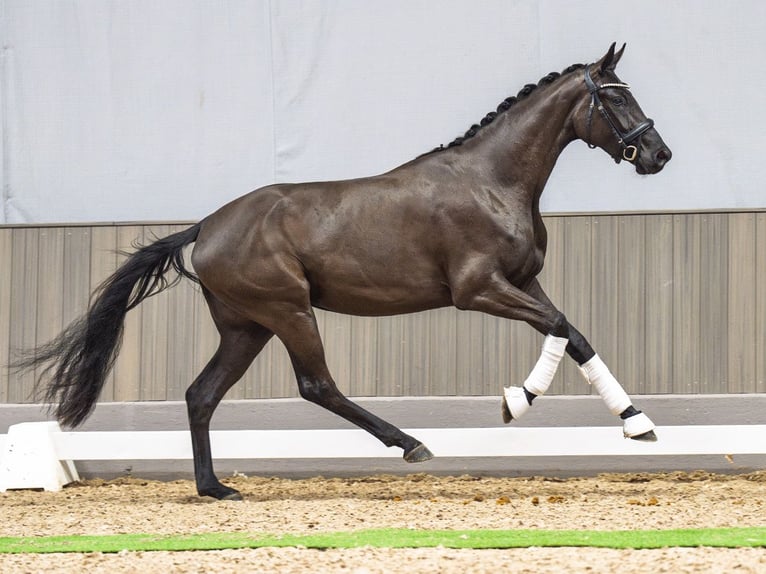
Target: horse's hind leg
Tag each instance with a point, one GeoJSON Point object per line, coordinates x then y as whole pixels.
{"type": "Point", "coordinates": [239, 345]}
{"type": "Point", "coordinates": [636, 425]}
{"type": "Point", "coordinates": [301, 337]}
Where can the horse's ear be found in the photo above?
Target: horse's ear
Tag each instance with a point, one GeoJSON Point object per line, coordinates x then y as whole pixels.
{"type": "Point", "coordinates": [609, 62]}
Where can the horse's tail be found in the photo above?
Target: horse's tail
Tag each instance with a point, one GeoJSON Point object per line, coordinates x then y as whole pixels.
{"type": "Point", "coordinates": [79, 359]}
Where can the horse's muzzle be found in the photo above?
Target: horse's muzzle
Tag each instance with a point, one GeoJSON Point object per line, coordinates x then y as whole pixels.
{"type": "Point", "coordinates": [654, 163]}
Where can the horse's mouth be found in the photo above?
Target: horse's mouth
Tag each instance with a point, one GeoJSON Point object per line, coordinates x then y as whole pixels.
{"type": "Point", "coordinates": [642, 169]}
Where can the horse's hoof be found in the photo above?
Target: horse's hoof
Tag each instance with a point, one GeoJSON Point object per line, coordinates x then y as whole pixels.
{"type": "Point", "coordinates": [648, 436]}
{"type": "Point", "coordinates": [639, 427]}
{"type": "Point", "coordinates": [222, 492]}
{"type": "Point", "coordinates": [515, 403]}
{"type": "Point", "coordinates": [233, 496]}
{"type": "Point", "coordinates": [507, 416]}
{"type": "Point", "coordinates": [418, 454]}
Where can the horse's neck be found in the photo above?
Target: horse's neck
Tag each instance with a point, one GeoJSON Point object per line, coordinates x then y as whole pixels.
{"type": "Point", "coordinates": [523, 146]}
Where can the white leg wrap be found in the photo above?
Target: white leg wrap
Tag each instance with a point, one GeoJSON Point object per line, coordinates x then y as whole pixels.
{"type": "Point", "coordinates": [539, 379]}
{"type": "Point", "coordinates": [598, 375]}
{"type": "Point", "coordinates": [542, 374]}
{"type": "Point", "coordinates": [615, 397]}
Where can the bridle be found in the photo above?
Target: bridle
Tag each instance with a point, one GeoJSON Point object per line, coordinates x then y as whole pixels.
{"type": "Point", "coordinates": [629, 151]}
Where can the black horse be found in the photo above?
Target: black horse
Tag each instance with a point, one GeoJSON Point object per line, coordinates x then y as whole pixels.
{"type": "Point", "coordinates": [459, 225]}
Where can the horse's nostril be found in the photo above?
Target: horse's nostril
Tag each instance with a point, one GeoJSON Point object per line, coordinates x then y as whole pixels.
{"type": "Point", "coordinates": [663, 155]}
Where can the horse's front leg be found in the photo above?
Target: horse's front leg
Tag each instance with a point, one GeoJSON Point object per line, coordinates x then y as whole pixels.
{"type": "Point", "coordinates": [495, 295]}
{"type": "Point", "coordinates": [636, 424]}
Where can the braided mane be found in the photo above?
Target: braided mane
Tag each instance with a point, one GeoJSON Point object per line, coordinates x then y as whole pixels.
{"type": "Point", "coordinates": [505, 105]}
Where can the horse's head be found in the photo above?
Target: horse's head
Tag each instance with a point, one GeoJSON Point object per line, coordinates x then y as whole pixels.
{"type": "Point", "coordinates": [612, 119]}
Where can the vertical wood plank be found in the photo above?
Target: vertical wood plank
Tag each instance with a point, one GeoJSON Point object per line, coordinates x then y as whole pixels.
{"type": "Point", "coordinates": [6, 264]}
{"type": "Point", "coordinates": [386, 374]}
{"type": "Point", "coordinates": [392, 337]}
{"type": "Point", "coordinates": [742, 296]}
{"type": "Point", "coordinates": [659, 304]}
{"type": "Point", "coordinates": [417, 355]}
{"type": "Point", "coordinates": [23, 308]}
{"type": "Point", "coordinates": [760, 303]}
{"type": "Point", "coordinates": [714, 275]}
{"type": "Point", "coordinates": [630, 295]}
{"type": "Point", "coordinates": [443, 342]}
{"type": "Point", "coordinates": [470, 345]}
{"type": "Point", "coordinates": [50, 283]}
{"type": "Point", "coordinates": [127, 367]}
{"type": "Point", "coordinates": [77, 262]}
{"type": "Point", "coordinates": [686, 303]}
{"type": "Point", "coordinates": [364, 356]}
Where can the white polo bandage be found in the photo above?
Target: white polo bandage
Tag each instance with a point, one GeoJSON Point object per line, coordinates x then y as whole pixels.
{"type": "Point", "coordinates": [597, 374]}
{"type": "Point", "coordinates": [539, 379]}
{"type": "Point", "coordinates": [542, 374]}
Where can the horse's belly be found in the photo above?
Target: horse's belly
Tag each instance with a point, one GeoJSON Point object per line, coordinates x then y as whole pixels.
{"type": "Point", "coordinates": [379, 300]}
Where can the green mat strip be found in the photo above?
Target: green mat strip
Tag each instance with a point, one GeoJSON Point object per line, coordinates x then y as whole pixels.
{"type": "Point", "coordinates": [395, 538]}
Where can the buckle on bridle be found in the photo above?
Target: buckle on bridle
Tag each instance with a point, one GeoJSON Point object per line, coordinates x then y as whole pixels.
{"type": "Point", "coordinates": [630, 153]}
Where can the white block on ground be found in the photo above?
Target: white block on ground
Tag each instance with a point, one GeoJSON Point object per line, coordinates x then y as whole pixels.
{"type": "Point", "coordinates": [29, 459]}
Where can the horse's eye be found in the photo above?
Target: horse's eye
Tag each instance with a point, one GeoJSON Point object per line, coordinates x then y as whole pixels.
{"type": "Point", "coordinates": [618, 101]}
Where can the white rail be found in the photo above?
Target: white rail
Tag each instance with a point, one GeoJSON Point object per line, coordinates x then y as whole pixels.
{"type": "Point", "coordinates": [443, 442]}
{"type": "Point", "coordinates": [31, 448]}
{"type": "Point", "coordinates": [39, 455]}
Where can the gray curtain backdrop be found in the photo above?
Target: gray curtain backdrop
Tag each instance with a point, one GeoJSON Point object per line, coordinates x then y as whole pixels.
{"type": "Point", "coordinates": [138, 110]}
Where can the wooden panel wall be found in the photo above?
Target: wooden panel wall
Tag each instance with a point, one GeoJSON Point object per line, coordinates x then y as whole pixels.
{"type": "Point", "coordinates": [674, 303]}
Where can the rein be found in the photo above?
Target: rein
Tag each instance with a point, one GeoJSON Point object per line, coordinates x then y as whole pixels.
{"type": "Point", "coordinates": [629, 151]}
